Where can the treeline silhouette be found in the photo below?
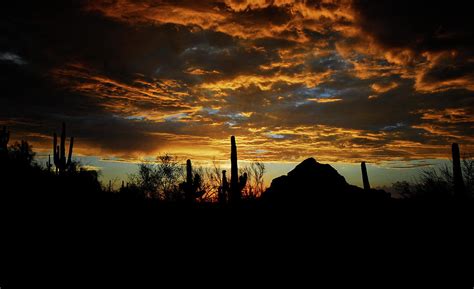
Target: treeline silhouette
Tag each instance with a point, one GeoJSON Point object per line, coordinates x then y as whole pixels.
{"type": "Point", "coordinates": [167, 182]}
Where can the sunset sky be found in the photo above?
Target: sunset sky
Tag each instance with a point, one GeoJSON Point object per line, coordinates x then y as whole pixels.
{"type": "Point", "coordinates": [388, 82]}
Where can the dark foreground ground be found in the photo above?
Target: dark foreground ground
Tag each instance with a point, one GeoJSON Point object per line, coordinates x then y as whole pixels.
{"type": "Point", "coordinates": [327, 244]}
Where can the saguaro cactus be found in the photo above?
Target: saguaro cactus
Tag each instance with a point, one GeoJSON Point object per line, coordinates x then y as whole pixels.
{"type": "Point", "coordinates": [48, 164]}
{"type": "Point", "coordinates": [4, 138]}
{"type": "Point", "coordinates": [192, 186]}
{"type": "Point", "coordinates": [234, 172]}
{"type": "Point", "coordinates": [223, 189]}
{"type": "Point", "coordinates": [189, 172]}
{"type": "Point", "coordinates": [365, 177]}
{"type": "Point", "coordinates": [236, 183]}
{"type": "Point", "coordinates": [60, 152]}
{"type": "Point", "coordinates": [457, 172]}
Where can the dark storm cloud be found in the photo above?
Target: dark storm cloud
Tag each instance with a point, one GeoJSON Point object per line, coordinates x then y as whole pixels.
{"type": "Point", "coordinates": [45, 37]}
{"type": "Point", "coordinates": [34, 110]}
{"type": "Point", "coordinates": [441, 34]}
{"type": "Point", "coordinates": [418, 25]}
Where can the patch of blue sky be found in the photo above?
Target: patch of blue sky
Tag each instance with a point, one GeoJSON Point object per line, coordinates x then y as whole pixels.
{"type": "Point", "coordinates": [275, 136]}
{"type": "Point", "coordinates": [175, 117]}
{"type": "Point", "coordinates": [393, 127]}
{"type": "Point", "coordinates": [210, 110]}
{"type": "Point", "coordinates": [135, 117]}
{"type": "Point", "coordinates": [237, 116]}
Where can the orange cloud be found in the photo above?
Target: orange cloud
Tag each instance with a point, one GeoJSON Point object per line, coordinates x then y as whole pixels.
{"type": "Point", "coordinates": [165, 97]}
{"type": "Point", "coordinates": [267, 82]}
{"type": "Point", "coordinates": [448, 115]}
{"type": "Point", "coordinates": [439, 73]}
{"type": "Point", "coordinates": [383, 87]}
{"type": "Point", "coordinates": [231, 18]}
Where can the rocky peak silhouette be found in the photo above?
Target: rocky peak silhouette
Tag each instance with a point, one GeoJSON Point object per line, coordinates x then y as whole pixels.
{"type": "Point", "coordinates": [310, 171]}
{"type": "Point", "coordinates": [311, 180]}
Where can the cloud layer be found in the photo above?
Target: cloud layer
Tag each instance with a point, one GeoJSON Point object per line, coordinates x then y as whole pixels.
{"type": "Point", "coordinates": [338, 80]}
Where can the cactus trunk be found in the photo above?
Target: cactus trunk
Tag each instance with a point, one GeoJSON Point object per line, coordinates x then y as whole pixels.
{"type": "Point", "coordinates": [234, 171]}
{"type": "Point", "coordinates": [62, 156]}
{"type": "Point", "coordinates": [365, 177]}
{"type": "Point", "coordinates": [223, 190]}
{"type": "Point", "coordinates": [59, 152]}
{"type": "Point", "coordinates": [457, 172]}
{"type": "Point", "coordinates": [189, 172]}
{"type": "Point", "coordinates": [192, 187]}
{"type": "Point", "coordinates": [188, 186]}
{"type": "Point", "coordinates": [55, 152]}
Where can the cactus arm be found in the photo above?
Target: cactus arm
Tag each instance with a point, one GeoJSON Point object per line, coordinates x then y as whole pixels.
{"type": "Point", "coordinates": [242, 181]}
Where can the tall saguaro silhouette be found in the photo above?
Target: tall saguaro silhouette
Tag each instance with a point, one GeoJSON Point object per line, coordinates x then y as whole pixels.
{"type": "Point", "coordinates": [189, 181]}
{"type": "Point", "coordinates": [237, 184]}
{"type": "Point", "coordinates": [189, 172]}
{"type": "Point", "coordinates": [235, 195]}
{"type": "Point", "coordinates": [60, 151]}
{"type": "Point", "coordinates": [459, 189]}
{"type": "Point", "coordinates": [192, 186]}
{"type": "Point", "coordinates": [365, 177]}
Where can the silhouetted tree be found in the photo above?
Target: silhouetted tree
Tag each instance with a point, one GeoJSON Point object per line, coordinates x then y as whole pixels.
{"type": "Point", "coordinates": [403, 188]}
{"type": "Point", "coordinates": [161, 179]}
{"type": "Point", "coordinates": [146, 180]}
{"type": "Point", "coordinates": [257, 183]}
{"type": "Point", "coordinates": [169, 174]}
{"type": "Point", "coordinates": [468, 173]}
{"type": "Point", "coordinates": [251, 178]}
{"type": "Point", "coordinates": [22, 153]}
{"type": "Point", "coordinates": [212, 181]}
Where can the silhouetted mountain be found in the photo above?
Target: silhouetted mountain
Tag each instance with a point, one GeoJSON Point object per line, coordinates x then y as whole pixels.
{"type": "Point", "coordinates": [313, 181]}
